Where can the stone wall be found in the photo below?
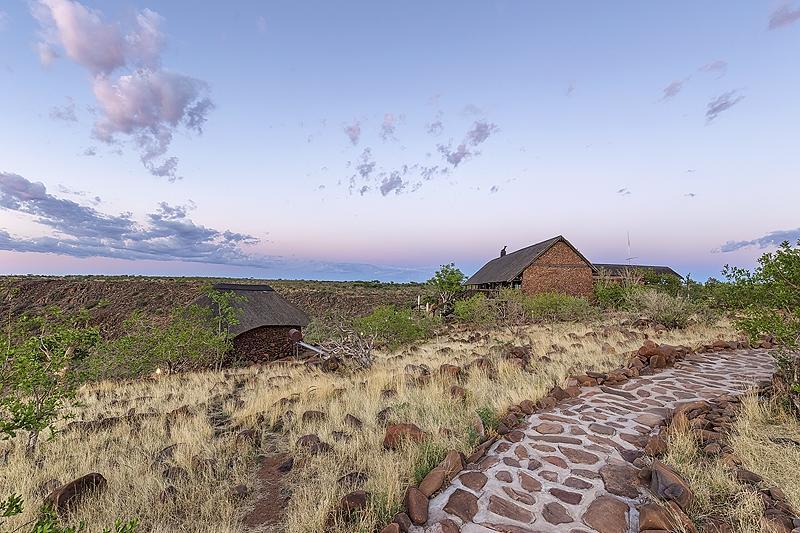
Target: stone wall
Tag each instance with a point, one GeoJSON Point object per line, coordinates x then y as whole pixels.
{"type": "Point", "coordinates": [559, 269]}
{"type": "Point", "coordinates": [260, 345]}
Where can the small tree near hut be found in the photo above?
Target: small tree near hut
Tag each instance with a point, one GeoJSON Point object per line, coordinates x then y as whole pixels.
{"type": "Point", "coordinates": [448, 283]}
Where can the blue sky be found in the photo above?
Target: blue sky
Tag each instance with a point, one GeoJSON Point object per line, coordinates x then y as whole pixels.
{"type": "Point", "coordinates": [376, 140]}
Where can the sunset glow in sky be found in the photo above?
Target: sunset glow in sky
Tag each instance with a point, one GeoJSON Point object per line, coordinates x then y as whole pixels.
{"type": "Point", "coordinates": [374, 140]}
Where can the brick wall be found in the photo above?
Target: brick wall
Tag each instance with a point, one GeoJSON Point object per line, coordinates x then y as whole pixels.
{"type": "Point", "coordinates": [260, 345]}
{"type": "Point", "coordinates": [559, 269]}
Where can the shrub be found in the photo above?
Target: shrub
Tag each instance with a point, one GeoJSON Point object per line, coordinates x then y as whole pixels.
{"type": "Point", "coordinates": [476, 309]}
{"type": "Point", "coordinates": [610, 294]}
{"type": "Point", "coordinates": [662, 308]}
{"type": "Point", "coordinates": [190, 340]}
{"type": "Point", "coordinates": [394, 327]}
{"type": "Point", "coordinates": [555, 307]}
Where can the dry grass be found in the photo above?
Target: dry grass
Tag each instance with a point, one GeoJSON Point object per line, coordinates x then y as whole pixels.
{"type": "Point", "coordinates": [717, 492]}
{"type": "Point", "coordinates": [124, 456]}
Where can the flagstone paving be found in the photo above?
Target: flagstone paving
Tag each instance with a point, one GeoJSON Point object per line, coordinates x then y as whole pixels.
{"type": "Point", "coordinates": [569, 468]}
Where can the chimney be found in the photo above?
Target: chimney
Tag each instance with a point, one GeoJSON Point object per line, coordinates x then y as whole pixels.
{"type": "Point", "coordinates": [503, 251]}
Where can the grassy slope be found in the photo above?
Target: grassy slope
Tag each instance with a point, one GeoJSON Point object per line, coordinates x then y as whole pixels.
{"type": "Point", "coordinates": [124, 455]}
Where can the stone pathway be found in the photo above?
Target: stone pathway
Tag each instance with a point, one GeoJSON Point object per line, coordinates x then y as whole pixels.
{"type": "Point", "coordinates": [569, 468]}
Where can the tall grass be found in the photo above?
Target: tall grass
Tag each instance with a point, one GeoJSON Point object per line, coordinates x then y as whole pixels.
{"type": "Point", "coordinates": [124, 455]}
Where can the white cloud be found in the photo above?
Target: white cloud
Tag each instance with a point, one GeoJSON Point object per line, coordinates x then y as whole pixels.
{"type": "Point", "coordinates": [136, 96]}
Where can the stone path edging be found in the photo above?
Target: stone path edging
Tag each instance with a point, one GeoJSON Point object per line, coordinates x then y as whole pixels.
{"type": "Point", "coordinates": [568, 467]}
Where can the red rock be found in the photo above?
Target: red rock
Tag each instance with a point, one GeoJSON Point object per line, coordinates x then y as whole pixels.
{"type": "Point", "coordinates": [549, 428]}
{"type": "Point", "coordinates": [473, 480]}
{"type": "Point", "coordinates": [392, 528]}
{"type": "Point", "coordinates": [572, 498]}
{"type": "Point", "coordinates": [527, 407]}
{"type": "Point", "coordinates": [68, 496]}
{"type": "Point", "coordinates": [458, 392]}
{"type": "Point", "coordinates": [607, 515]}
{"type": "Point", "coordinates": [505, 508]}
{"type": "Point", "coordinates": [578, 456]}
{"type": "Point", "coordinates": [620, 479]}
{"type": "Point", "coordinates": [354, 501]}
{"type": "Point", "coordinates": [416, 506]}
{"type": "Point", "coordinates": [397, 433]}
{"type": "Point", "coordinates": [555, 513]}
{"type": "Point", "coordinates": [655, 446]}
{"type": "Point", "coordinates": [667, 484]}
{"type": "Point", "coordinates": [462, 504]}
{"type": "Point", "coordinates": [529, 483]}
{"type": "Point", "coordinates": [313, 416]}
{"type": "Point", "coordinates": [443, 472]}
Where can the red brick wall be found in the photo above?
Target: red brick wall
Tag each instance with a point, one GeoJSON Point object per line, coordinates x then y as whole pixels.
{"type": "Point", "coordinates": [559, 269]}
{"type": "Point", "coordinates": [260, 345]}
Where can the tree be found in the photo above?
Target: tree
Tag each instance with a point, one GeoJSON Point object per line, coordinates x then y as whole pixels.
{"type": "Point", "coordinates": [448, 282]}
{"type": "Point", "coordinates": [37, 379]}
{"type": "Point", "coordinates": [226, 315]}
{"type": "Point", "coordinates": [770, 296]}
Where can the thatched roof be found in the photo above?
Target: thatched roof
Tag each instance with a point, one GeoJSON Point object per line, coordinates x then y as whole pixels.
{"type": "Point", "coordinates": [615, 270]}
{"type": "Point", "coordinates": [505, 268]}
{"type": "Point", "coordinates": [260, 306]}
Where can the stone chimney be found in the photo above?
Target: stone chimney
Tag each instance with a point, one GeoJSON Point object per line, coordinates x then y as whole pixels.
{"type": "Point", "coordinates": [503, 251]}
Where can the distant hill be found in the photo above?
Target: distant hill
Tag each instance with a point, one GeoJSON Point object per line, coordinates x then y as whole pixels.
{"type": "Point", "coordinates": [111, 299]}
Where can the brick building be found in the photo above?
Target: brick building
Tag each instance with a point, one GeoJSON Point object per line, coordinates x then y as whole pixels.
{"type": "Point", "coordinates": [553, 265]}
{"type": "Point", "coordinates": [265, 319]}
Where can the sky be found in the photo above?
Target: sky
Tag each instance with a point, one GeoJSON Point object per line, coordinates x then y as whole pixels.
{"type": "Point", "coordinates": [377, 140]}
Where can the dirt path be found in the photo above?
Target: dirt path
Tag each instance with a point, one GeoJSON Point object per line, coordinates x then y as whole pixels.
{"type": "Point", "coordinates": [569, 468]}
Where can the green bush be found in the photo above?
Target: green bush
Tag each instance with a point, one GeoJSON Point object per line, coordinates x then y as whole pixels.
{"type": "Point", "coordinates": [660, 307]}
{"type": "Point", "coordinates": [609, 294]}
{"type": "Point", "coordinates": [190, 340]}
{"type": "Point", "coordinates": [476, 309]}
{"type": "Point", "coordinates": [555, 307]}
{"type": "Point", "coordinates": [394, 327]}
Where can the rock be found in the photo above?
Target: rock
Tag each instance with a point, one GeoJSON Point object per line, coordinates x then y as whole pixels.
{"type": "Point", "coordinates": [555, 514]}
{"type": "Point", "coordinates": [462, 504]}
{"type": "Point", "coordinates": [310, 417]}
{"type": "Point", "coordinates": [397, 433]}
{"type": "Point", "coordinates": [658, 361]}
{"type": "Point", "coordinates": [450, 371]}
{"type": "Point", "coordinates": [313, 444]}
{"type": "Point", "coordinates": [382, 417]}
{"type": "Point", "coordinates": [620, 479]}
{"type": "Point", "coordinates": [451, 464]}
{"type": "Point", "coordinates": [473, 480]}
{"type": "Point", "coordinates": [416, 506]}
{"type": "Point", "coordinates": [578, 456]}
{"type": "Point", "coordinates": [748, 477]}
{"type": "Point", "coordinates": [354, 502]}
{"type": "Point", "coordinates": [529, 483]}
{"type": "Point", "coordinates": [248, 436]}
{"type": "Point", "coordinates": [403, 521]}
{"type": "Point", "coordinates": [168, 495]}
{"type": "Point", "coordinates": [667, 484]}
{"type": "Point", "coordinates": [653, 516]}
{"type": "Point", "coordinates": [353, 422]}
{"type": "Point", "coordinates": [527, 407]}
{"type": "Point", "coordinates": [239, 492]}
{"type": "Point", "coordinates": [66, 497]}
{"type": "Point", "coordinates": [655, 446]}
{"type": "Point", "coordinates": [507, 509]}
{"type": "Point", "coordinates": [392, 528]}
{"type": "Point", "coordinates": [572, 498]}
{"type": "Point", "coordinates": [549, 428]}
{"type": "Point", "coordinates": [444, 526]}
{"type": "Point", "coordinates": [559, 394]}
{"type": "Point", "coordinates": [458, 392]}
{"type": "Point", "coordinates": [607, 514]}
